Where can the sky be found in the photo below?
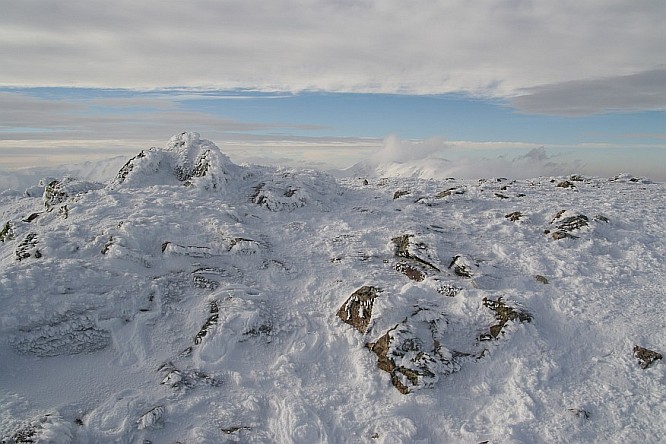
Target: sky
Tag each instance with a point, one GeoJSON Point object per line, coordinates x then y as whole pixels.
{"type": "Point", "coordinates": [328, 83]}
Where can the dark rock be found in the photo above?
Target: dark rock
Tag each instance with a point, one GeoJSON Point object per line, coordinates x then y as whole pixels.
{"type": "Point", "coordinates": [151, 418]}
{"type": "Point", "coordinates": [504, 314]}
{"type": "Point", "coordinates": [184, 379]}
{"type": "Point", "coordinates": [449, 192]}
{"type": "Point", "coordinates": [515, 216]}
{"type": "Point", "coordinates": [210, 322]}
{"type": "Point", "coordinates": [357, 309]}
{"type": "Point", "coordinates": [32, 217]}
{"type": "Point", "coordinates": [128, 167]}
{"type": "Point", "coordinates": [28, 248]}
{"type": "Point", "coordinates": [460, 268]}
{"type": "Point", "coordinates": [573, 223]}
{"type": "Point", "coordinates": [601, 218]}
{"type": "Point", "coordinates": [54, 194]}
{"type": "Point", "coordinates": [402, 249]}
{"type": "Point", "coordinates": [410, 271]}
{"type": "Point", "coordinates": [449, 290]}
{"type": "Point", "coordinates": [501, 196]}
{"type": "Point", "coordinates": [646, 357]}
{"type": "Point", "coordinates": [7, 232]}
{"type": "Point", "coordinates": [566, 184]}
{"type": "Point", "coordinates": [398, 194]}
{"type": "Point", "coordinates": [580, 413]}
{"type": "Point", "coordinates": [411, 352]}
{"type": "Point", "coordinates": [541, 279]}
{"type": "Point", "coordinates": [68, 334]}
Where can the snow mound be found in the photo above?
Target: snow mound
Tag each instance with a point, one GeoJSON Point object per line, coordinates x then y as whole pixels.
{"type": "Point", "coordinates": [186, 159]}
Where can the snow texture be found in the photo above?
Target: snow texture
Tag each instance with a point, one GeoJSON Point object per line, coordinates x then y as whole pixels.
{"type": "Point", "coordinates": [190, 299]}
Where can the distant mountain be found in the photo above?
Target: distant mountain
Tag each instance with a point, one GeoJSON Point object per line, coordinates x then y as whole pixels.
{"type": "Point", "coordinates": [185, 298]}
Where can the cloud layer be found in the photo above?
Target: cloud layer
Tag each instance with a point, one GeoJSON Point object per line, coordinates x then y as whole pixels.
{"type": "Point", "coordinates": [498, 48]}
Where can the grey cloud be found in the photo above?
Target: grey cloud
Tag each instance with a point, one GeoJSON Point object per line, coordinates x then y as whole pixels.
{"type": "Point", "coordinates": [23, 117]}
{"type": "Point", "coordinates": [490, 47]}
{"type": "Point", "coordinates": [643, 91]}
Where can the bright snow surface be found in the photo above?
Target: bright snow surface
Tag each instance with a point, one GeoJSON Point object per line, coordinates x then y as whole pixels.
{"type": "Point", "coordinates": [193, 300]}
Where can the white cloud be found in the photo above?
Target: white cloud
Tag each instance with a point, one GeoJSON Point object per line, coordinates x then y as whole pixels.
{"type": "Point", "coordinates": [487, 47]}
{"type": "Point", "coordinates": [438, 159]}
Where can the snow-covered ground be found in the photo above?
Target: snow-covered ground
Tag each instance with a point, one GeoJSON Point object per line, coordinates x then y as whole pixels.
{"type": "Point", "coordinates": [194, 300]}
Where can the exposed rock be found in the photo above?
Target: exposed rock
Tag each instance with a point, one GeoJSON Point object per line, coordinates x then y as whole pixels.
{"type": "Point", "coordinates": [515, 216]}
{"type": "Point", "coordinates": [580, 413]}
{"type": "Point", "coordinates": [151, 418]}
{"type": "Point", "coordinates": [398, 194]}
{"type": "Point", "coordinates": [28, 248]}
{"type": "Point", "coordinates": [7, 232]}
{"type": "Point", "coordinates": [501, 196]}
{"type": "Point", "coordinates": [210, 322]}
{"type": "Point", "coordinates": [460, 267]}
{"type": "Point", "coordinates": [42, 428]}
{"type": "Point", "coordinates": [31, 217]}
{"type": "Point", "coordinates": [563, 227]}
{"type": "Point", "coordinates": [573, 223]}
{"type": "Point", "coordinates": [449, 192]}
{"type": "Point", "coordinates": [186, 159]}
{"type": "Point", "coordinates": [646, 357]}
{"type": "Point", "coordinates": [601, 218]}
{"type": "Point", "coordinates": [183, 379]}
{"type": "Point", "coordinates": [57, 192]}
{"type": "Point", "coordinates": [412, 353]}
{"type": "Point", "coordinates": [402, 249]}
{"type": "Point", "coordinates": [68, 334]}
{"type": "Point", "coordinates": [557, 235]}
{"type": "Point", "coordinates": [357, 309]}
{"type": "Point", "coordinates": [449, 290]}
{"type": "Point", "coordinates": [541, 279]}
{"type": "Point", "coordinates": [54, 194]}
{"type": "Point", "coordinates": [410, 271]}
{"type": "Point", "coordinates": [566, 184]}
{"type": "Point", "coordinates": [504, 314]}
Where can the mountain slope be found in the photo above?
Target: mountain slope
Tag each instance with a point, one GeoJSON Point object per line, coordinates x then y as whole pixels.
{"type": "Point", "coordinates": [194, 300]}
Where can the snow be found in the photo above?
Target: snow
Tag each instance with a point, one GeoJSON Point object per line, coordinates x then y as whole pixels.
{"type": "Point", "coordinates": [191, 299]}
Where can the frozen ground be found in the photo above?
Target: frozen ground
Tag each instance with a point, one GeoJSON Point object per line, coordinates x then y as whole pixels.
{"type": "Point", "coordinates": [194, 300]}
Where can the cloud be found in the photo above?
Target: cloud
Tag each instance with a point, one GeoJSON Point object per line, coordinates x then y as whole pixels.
{"type": "Point", "coordinates": [396, 150]}
{"type": "Point", "coordinates": [637, 92]}
{"type": "Point", "coordinates": [488, 48]}
{"type": "Point", "coordinates": [439, 159]}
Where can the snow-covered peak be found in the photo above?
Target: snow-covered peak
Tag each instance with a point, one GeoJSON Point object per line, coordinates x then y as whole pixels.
{"type": "Point", "coordinates": [187, 159]}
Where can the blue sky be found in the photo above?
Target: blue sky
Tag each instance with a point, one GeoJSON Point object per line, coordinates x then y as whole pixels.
{"type": "Point", "coordinates": [324, 82]}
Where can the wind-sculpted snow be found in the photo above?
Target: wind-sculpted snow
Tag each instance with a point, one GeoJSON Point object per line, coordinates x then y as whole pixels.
{"type": "Point", "coordinates": [186, 158]}
{"type": "Point", "coordinates": [194, 300]}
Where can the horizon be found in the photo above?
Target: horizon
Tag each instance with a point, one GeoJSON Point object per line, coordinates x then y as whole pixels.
{"type": "Point", "coordinates": [327, 84]}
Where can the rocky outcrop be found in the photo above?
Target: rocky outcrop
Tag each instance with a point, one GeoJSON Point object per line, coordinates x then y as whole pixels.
{"type": "Point", "coordinates": [68, 334]}
{"type": "Point", "coordinates": [357, 309]}
{"type": "Point", "coordinates": [186, 159]}
{"type": "Point", "coordinates": [412, 351]}
{"type": "Point", "coordinates": [504, 314]}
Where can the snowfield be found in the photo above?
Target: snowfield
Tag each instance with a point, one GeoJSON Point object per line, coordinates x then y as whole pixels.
{"type": "Point", "coordinates": [193, 300]}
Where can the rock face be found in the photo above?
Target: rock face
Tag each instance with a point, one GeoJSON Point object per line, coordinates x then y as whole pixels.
{"type": "Point", "coordinates": [357, 309]}
{"type": "Point", "coordinates": [186, 159]}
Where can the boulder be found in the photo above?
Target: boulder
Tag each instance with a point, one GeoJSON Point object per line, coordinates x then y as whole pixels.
{"type": "Point", "coordinates": [357, 309]}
